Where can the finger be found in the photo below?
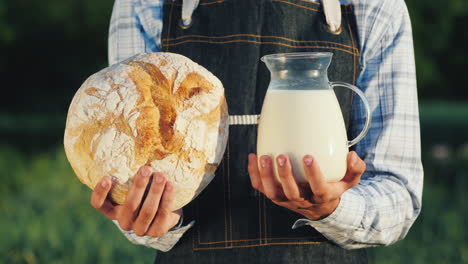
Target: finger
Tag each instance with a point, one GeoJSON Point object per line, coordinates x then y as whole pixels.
{"type": "Point", "coordinates": [132, 202]}
{"type": "Point", "coordinates": [254, 173]}
{"type": "Point", "coordinates": [315, 178]}
{"type": "Point", "coordinates": [356, 167]}
{"type": "Point", "coordinates": [99, 198]}
{"type": "Point", "coordinates": [163, 221]}
{"type": "Point", "coordinates": [99, 195]}
{"type": "Point", "coordinates": [150, 205]}
{"type": "Point", "coordinates": [271, 186]}
{"type": "Point", "coordinates": [288, 182]}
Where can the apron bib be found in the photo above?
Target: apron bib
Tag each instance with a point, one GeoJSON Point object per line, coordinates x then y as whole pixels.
{"type": "Point", "coordinates": [235, 223]}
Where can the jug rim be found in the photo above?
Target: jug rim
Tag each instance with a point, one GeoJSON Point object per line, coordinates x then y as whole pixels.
{"type": "Point", "coordinates": [297, 55]}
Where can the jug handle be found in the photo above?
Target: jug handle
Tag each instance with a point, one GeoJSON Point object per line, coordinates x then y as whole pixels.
{"type": "Point", "coordinates": [366, 106]}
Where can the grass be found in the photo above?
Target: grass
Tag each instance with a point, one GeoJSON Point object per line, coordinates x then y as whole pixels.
{"type": "Point", "coordinates": [440, 234]}
{"type": "Point", "coordinates": [46, 217]}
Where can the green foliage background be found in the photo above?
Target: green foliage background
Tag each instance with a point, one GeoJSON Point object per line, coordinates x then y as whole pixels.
{"type": "Point", "coordinates": [48, 48]}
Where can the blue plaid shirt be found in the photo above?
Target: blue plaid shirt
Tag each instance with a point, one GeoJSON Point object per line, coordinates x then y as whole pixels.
{"type": "Point", "coordinates": [382, 208]}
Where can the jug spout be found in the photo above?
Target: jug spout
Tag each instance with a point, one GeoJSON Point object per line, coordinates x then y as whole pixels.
{"type": "Point", "coordinates": [299, 71]}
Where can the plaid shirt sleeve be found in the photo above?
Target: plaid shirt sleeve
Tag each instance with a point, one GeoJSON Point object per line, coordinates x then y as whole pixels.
{"type": "Point", "coordinates": [163, 243]}
{"type": "Point", "coordinates": [135, 27]}
{"type": "Point", "coordinates": [382, 208]}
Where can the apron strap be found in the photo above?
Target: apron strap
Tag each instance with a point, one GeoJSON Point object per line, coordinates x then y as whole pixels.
{"type": "Point", "coordinates": [332, 9]}
{"type": "Point", "coordinates": [243, 119]}
{"type": "Point", "coordinates": [188, 6]}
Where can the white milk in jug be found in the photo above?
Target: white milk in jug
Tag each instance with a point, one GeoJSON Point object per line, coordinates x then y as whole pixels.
{"type": "Point", "coordinates": [301, 122]}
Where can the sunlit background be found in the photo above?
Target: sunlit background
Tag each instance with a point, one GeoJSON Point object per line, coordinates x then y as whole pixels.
{"type": "Point", "coordinates": [49, 47]}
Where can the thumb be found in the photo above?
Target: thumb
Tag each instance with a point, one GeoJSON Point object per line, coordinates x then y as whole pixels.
{"type": "Point", "coordinates": [356, 167]}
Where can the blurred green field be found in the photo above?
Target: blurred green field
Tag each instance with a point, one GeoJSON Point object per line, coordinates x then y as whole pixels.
{"type": "Point", "coordinates": [45, 216]}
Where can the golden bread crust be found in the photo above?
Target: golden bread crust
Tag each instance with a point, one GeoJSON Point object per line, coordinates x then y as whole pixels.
{"type": "Point", "coordinates": [160, 109]}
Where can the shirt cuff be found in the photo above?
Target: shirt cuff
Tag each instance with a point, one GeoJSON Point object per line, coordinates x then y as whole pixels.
{"type": "Point", "coordinates": [346, 218]}
{"type": "Point", "coordinates": [163, 243]}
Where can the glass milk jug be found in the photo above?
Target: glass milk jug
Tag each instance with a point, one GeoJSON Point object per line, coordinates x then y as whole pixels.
{"type": "Point", "coordinates": [301, 115]}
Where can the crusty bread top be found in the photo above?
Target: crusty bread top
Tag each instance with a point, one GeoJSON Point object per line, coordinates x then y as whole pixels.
{"type": "Point", "coordinates": [160, 109]}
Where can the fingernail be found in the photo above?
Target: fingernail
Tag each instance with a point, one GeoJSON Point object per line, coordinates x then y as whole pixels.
{"type": "Point", "coordinates": [104, 183]}
{"type": "Point", "coordinates": [263, 162]}
{"type": "Point", "coordinates": [308, 161]}
{"type": "Point", "coordinates": [158, 179]}
{"type": "Point", "coordinates": [145, 171]}
{"type": "Point", "coordinates": [281, 161]}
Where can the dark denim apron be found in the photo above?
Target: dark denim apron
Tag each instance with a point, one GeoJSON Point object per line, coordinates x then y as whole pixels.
{"type": "Point", "coordinates": [235, 223]}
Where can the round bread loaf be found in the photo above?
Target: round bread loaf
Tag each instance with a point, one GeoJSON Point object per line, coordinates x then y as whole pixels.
{"type": "Point", "coordinates": [160, 109]}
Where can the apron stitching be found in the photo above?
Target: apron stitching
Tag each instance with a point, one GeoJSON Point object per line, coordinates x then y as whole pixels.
{"type": "Point", "coordinates": [231, 241]}
{"type": "Point", "coordinates": [198, 217]}
{"type": "Point", "coordinates": [229, 192]}
{"type": "Point", "coordinates": [198, 226]}
{"type": "Point", "coordinates": [170, 24]}
{"type": "Point", "coordinates": [315, 3]}
{"type": "Point", "coordinates": [305, 7]}
{"type": "Point", "coordinates": [254, 239]}
{"type": "Point", "coordinates": [259, 198]}
{"type": "Point", "coordinates": [260, 36]}
{"type": "Point", "coordinates": [261, 245]}
{"type": "Point", "coordinates": [224, 194]}
{"type": "Point", "coordinates": [193, 242]}
{"type": "Point", "coordinates": [289, 3]}
{"type": "Point", "coordinates": [222, 1]}
{"type": "Point", "coordinates": [293, 243]}
{"type": "Point", "coordinates": [193, 237]}
{"type": "Point", "coordinates": [256, 42]}
{"type": "Point", "coordinates": [351, 33]}
{"type": "Point", "coordinates": [213, 2]}
{"type": "Point", "coordinates": [206, 3]}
